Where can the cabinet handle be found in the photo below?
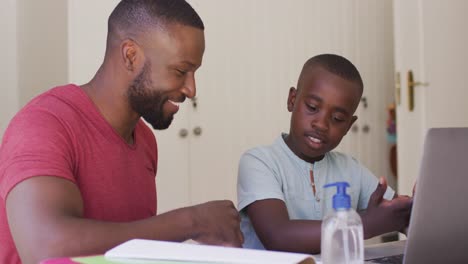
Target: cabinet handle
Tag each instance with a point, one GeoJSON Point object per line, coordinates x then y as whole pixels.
{"type": "Point", "coordinates": [194, 102]}
{"type": "Point", "coordinates": [364, 101]}
{"type": "Point", "coordinates": [197, 131]}
{"type": "Point", "coordinates": [366, 128]}
{"type": "Point", "coordinates": [183, 133]}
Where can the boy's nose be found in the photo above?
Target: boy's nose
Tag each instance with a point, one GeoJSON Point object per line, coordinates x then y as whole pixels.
{"type": "Point", "coordinates": [321, 122]}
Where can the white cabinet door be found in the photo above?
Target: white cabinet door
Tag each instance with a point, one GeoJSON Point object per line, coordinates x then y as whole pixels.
{"type": "Point", "coordinates": [173, 173]}
{"type": "Point", "coordinates": [431, 41]}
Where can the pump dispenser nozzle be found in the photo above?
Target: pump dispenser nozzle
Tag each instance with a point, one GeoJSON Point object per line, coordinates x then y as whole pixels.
{"type": "Point", "coordinates": [341, 199]}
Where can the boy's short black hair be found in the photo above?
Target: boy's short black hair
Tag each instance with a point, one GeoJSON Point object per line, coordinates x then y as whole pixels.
{"type": "Point", "coordinates": [338, 65]}
{"type": "Point", "coordinates": [137, 16]}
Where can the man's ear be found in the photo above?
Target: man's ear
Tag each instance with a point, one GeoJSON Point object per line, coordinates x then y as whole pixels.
{"type": "Point", "coordinates": [353, 119]}
{"type": "Point", "coordinates": [130, 54]}
{"type": "Point", "coordinates": [291, 98]}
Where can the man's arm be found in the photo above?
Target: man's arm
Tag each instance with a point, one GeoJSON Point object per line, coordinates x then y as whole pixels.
{"type": "Point", "coordinates": [276, 231]}
{"type": "Point", "coordinates": [45, 215]}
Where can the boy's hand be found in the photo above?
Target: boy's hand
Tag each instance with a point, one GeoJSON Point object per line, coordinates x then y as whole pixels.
{"type": "Point", "coordinates": [405, 230]}
{"type": "Point", "coordinates": [383, 216]}
{"type": "Point", "coordinates": [217, 223]}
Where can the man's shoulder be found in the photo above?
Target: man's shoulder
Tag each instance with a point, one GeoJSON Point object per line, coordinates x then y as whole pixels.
{"type": "Point", "coordinates": [48, 113]}
{"type": "Point", "coordinates": [56, 99]}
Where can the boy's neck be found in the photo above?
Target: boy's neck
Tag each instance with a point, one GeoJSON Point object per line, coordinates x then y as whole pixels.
{"type": "Point", "coordinates": [290, 144]}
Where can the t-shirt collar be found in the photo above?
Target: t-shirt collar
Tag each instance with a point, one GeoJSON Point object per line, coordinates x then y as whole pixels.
{"type": "Point", "coordinates": [302, 163]}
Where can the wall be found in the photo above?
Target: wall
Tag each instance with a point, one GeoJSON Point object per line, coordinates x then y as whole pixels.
{"type": "Point", "coordinates": [87, 37]}
{"type": "Point", "coordinates": [42, 49]}
{"type": "Point", "coordinates": [8, 64]}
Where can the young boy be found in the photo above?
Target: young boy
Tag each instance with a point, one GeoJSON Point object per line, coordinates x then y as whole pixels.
{"type": "Point", "coordinates": [280, 187]}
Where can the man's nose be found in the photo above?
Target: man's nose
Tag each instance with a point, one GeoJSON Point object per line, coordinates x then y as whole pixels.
{"type": "Point", "coordinates": [189, 88]}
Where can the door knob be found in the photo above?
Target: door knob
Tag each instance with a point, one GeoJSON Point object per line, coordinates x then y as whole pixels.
{"type": "Point", "coordinates": [183, 133]}
{"type": "Point", "coordinates": [411, 85]}
{"type": "Point", "coordinates": [366, 128]}
{"type": "Point", "coordinates": [194, 102]}
{"type": "Point", "coordinates": [364, 101]}
{"type": "Point", "coordinates": [197, 131]}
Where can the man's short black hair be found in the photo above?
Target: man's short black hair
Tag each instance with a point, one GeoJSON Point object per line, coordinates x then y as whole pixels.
{"type": "Point", "coordinates": [132, 17]}
{"type": "Point", "coordinates": [338, 65]}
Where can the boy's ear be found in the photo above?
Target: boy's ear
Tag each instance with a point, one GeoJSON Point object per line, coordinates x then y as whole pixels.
{"type": "Point", "coordinates": [291, 98]}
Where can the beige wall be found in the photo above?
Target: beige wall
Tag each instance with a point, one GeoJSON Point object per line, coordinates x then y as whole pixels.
{"type": "Point", "coordinates": [8, 77]}
{"type": "Point", "coordinates": [86, 47]}
{"type": "Point", "coordinates": [42, 46]}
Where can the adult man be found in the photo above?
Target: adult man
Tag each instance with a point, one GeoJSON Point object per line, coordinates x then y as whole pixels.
{"type": "Point", "coordinates": [77, 164]}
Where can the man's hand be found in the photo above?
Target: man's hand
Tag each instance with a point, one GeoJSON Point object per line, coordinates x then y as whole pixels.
{"type": "Point", "coordinates": [383, 216]}
{"type": "Point", "coordinates": [217, 223]}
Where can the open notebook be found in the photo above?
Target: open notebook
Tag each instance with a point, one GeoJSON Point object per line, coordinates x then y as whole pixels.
{"type": "Point", "coordinates": [141, 250]}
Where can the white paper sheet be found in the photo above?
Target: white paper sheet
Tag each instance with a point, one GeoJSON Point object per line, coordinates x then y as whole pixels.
{"type": "Point", "coordinates": [172, 251]}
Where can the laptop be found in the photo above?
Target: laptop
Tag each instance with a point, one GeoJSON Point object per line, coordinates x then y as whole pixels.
{"type": "Point", "coordinates": [438, 230]}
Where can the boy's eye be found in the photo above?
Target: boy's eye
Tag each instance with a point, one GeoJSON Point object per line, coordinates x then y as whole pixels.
{"type": "Point", "coordinates": [337, 118]}
{"type": "Point", "coordinates": [311, 107]}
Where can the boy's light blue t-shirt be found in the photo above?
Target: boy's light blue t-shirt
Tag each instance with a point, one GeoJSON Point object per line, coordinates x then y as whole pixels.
{"type": "Point", "coordinates": [275, 172]}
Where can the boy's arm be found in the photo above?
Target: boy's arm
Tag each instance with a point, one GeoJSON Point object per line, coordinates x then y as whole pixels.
{"type": "Point", "coordinates": [383, 216]}
{"type": "Point", "coordinates": [276, 231]}
{"type": "Point", "coordinates": [45, 215]}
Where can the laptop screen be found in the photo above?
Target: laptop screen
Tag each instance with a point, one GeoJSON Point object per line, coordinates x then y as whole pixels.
{"type": "Point", "coordinates": [438, 230]}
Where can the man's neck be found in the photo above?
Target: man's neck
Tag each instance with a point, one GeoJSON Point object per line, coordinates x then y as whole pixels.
{"type": "Point", "coordinates": [111, 102]}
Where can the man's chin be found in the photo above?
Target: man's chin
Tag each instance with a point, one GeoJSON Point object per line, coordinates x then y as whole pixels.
{"type": "Point", "coordinates": [159, 124]}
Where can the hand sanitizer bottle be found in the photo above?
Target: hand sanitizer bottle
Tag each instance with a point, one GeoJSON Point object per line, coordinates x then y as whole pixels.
{"type": "Point", "coordinates": [342, 232]}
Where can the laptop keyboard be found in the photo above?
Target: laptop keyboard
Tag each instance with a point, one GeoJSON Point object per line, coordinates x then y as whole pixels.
{"type": "Point", "coordinates": [396, 259]}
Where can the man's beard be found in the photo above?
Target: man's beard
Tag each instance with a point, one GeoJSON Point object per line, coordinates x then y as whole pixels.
{"type": "Point", "coordinates": [146, 102]}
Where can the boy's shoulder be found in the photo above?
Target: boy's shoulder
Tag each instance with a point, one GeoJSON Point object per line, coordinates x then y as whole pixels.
{"type": "Point", "coordinates": [273, 151]}
{"type": "Point", "coordinates": [341, 159]}
{"type": "Point", "coordinates": [337, 155]}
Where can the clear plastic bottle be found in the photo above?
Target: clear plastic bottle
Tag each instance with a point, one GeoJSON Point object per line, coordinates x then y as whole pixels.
{"type": "Point", "coordinates": [342, 232]}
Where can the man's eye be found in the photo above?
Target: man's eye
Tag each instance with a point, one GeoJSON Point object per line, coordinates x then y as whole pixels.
{"type": "Point", "coordinates": [181, 72]}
